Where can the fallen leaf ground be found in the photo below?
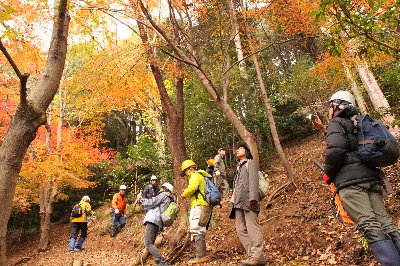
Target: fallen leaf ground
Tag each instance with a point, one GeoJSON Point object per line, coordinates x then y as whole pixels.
{"type": "Point", "coordinates": [298, 229]}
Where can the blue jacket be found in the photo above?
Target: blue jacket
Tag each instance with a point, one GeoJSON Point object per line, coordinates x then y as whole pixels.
{"type": "Point", "coordinates": [155, 206]}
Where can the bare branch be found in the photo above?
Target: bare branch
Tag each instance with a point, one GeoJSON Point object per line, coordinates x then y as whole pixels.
{"type": "Point", "coordinates": [265, 48]}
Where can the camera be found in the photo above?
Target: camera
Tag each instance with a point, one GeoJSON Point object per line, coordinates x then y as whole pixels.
{"type": "Point", "coordinates": [311, 117]}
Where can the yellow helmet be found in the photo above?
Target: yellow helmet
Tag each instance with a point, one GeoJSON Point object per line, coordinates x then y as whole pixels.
{"type": "Point", "coordinates": [210, 162]}
{"type": "Point", "coordinates": [186, 164]}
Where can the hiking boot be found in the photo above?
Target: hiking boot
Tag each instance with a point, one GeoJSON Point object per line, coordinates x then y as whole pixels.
{"type": "Point", "coordinates": [199, 260]}
{"type": "Point", "coordinates": [71, 251]}
{"type": "Point", "coordinates": [252, 262]}
{"type": "Point", "coordinates": [80, 248]}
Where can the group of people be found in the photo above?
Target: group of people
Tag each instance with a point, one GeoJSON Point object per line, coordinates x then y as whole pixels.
{"type": "Point", "coordinates": [359, 186]}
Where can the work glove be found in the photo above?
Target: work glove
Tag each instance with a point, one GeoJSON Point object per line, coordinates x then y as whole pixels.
{"type": "Point", "coordinates": [253, 205]}
{"type": "Point", "coordinates": [217, 173]}
{"type": "Point", "coordinates": [116, 211]}
{"type": "Point", "coordinates": [326, 179]}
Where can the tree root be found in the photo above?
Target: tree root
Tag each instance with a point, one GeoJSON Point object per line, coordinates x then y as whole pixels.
{"type": "Point", "coordinates": [144, 254]}
{"type": "Point", "coordinates": [181, 248]}
{"type": "Point", "coordinates": [21, 261]}
{"type": "Point", "coordinates": [276, 192]}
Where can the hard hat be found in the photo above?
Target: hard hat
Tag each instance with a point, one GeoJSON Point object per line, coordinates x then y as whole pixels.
{"type": "Point", "coordinates": [210, 162]}
{"type": "Point", "coordinates": [169, 187]}
{"type": "Point", "coordinates": [86, 198]}
{"type": "Point", "coordinates": [343, 96]}
{"type": "Point", "coordinates": [122, 187]}
{"type": "Point", "coordinates": [153, 177]}
{"type": "Point", "coordinates": [186, 164]}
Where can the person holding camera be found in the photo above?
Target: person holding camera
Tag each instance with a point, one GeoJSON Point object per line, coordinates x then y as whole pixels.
{"type": "Point", "coordinates": [359, 185]}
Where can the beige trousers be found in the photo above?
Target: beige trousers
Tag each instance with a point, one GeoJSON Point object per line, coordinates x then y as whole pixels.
{"type": "Point", "coordinates": [249, 232]}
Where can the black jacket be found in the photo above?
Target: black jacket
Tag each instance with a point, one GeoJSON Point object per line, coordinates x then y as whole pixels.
{"type": "Point", "coordinates": [341, 164]}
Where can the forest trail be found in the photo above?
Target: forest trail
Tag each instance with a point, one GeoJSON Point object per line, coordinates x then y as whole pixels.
{"type": "Point", "coordinates": [298, 229]}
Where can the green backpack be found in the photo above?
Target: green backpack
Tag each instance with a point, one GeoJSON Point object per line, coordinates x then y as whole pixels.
{"type": "Point", "coordinates": [168, 216]}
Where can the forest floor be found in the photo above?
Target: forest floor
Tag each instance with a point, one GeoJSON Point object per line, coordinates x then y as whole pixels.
{"type": "Point", "coordinates": [299, 228]}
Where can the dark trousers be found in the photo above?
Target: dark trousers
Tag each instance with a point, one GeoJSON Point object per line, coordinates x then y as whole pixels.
{"type": "Point", "coordinates": [150, 235]}
{"type": "Point", "coordinates": [79, 227]}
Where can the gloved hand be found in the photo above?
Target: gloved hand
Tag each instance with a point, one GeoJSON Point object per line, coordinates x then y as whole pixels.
{"type": "Point", "coordinates": [253, 205]}
{"type": "Point", "coordinates": [116, 211]}
{"type": "Point", "coordinates": [217, 173]}
{"type": "Point", "coordinates": [326, 179]}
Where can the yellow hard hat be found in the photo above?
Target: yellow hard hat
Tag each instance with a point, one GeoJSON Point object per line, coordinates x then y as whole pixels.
{"type": "Point", "coordinates": [186, 164]}
{"type": "Point", "coordinates": [210, 162]}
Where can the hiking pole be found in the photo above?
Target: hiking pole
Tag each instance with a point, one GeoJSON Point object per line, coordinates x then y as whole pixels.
{"type": "Point", "coordinates": [319, 165]}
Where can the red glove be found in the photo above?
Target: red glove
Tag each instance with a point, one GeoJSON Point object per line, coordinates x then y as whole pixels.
{"type": "Point", "coordinates": [326, 179]}
{"type": "Point", "coordinates": [253, 205]}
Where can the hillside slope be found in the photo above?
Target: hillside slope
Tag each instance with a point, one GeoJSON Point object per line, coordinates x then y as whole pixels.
{"type": "Point", "coordinates": [298, 229]}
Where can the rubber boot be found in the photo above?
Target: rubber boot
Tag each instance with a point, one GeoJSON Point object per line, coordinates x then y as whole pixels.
{"type": "Point", "coordinates": [386, 253]}
{"type": "Point", "coordinates": [200, 245]}
{"type": "Point", "coordinates": [80, 243]}
{"type": "Point", "coordinates": [71, 244]}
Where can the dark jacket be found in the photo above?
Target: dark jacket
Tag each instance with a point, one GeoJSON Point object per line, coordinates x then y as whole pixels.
{"type": "Point", "coordinates": [341, 164]}
{"type": "Point", "coordinates": [150, 191]}
{"type": "Point", "coordinates": [210, 170]}
{"type": "Point", "coordinates": [246, 186]}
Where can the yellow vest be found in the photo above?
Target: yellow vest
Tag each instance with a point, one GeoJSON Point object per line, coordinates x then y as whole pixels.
{"type": "Point", "coordinates": [196, 181]}
{"type": "Point", "coordinates": [86, 209]}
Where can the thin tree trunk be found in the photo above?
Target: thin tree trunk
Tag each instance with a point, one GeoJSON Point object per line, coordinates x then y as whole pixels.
{"type": "Point", "coordinates": [61, 118]}
{"type": "Point", "coordinates": [236, 38]}
{"type": "Point", "coordinates": [29, 116]}
{"type": "Point", "coordinates": [378, 100]}
{"type": "Point", "coordinates": [356, 91]}
{"type": "Point", "coordinates": [271, 120]}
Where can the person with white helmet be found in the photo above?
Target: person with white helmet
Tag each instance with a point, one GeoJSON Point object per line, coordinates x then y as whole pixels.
{"type": "Point", "coordinates": [79, 224]}
{"type": "Point", "coordinates": [118, 208]}
{"type": "Point", "coordinates": [154, 207]}
{"type": "Point", "coordinates": [151, 190]}
{"type": "Point", "coordinates": [359, 185]}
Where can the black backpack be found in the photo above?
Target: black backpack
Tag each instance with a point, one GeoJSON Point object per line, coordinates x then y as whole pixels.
{"type": "Point", "coordinates": [77, 211]}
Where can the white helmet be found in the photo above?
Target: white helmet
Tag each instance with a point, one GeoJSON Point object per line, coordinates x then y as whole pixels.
{"type": "Point", "coordinates": [153, 177]}
{"type": "Point", "coordinates": [343, 96]}
{"type": "Point", "coordinates": [169, 187]}
{"type": "Point", "coordinates": [86, 198]}
{"type": "Point", "coordinates": [122, 187]}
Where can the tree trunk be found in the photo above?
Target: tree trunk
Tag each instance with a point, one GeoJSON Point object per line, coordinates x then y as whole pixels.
{"type": "Point", "coordinates": [174, 115]}
{"type": "Point", "coordinates": [356, 91]}
{"type": "Point", "coordinates": [271, 120]}
{"type": "Point", "coordinates": [207, 84]}
{"type": "Point", "coordinates": [236, 38]}
{"type": "Point", "coordinates": [48, 194]}
{"type": "Point", "coordinates": [378, 100]}
{"type": "Point", "coordinates": [61, 118]}
{"type": "Point", "coordinates": [29, 116]}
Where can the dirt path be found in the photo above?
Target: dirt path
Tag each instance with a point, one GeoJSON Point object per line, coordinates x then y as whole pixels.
{"type": "Point", "coordinates": [298, 230]}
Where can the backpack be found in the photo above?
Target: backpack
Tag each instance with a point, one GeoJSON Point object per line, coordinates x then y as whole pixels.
{"type": "Point", "coordinates": [171, 212]}
{"type": "Point", "coordinates": [213, 195]}
{"type": "Point", "coordinates": [77, 211]}
{"type": "Point", "coordinates": [376, 146]}
{"type": "Point", "coordinates": [263, 183]}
